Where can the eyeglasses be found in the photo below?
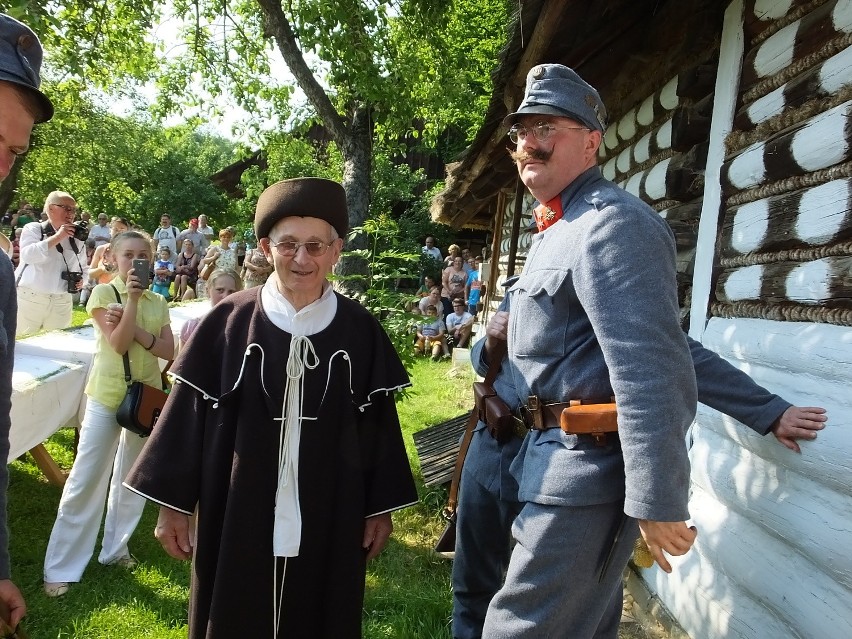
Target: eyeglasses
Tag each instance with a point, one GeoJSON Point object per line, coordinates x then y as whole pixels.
{"type": "Point", "coordinates": [541, 131]}
{"type": "Point", "coordinates": [66, 208]}
{"type": "Point", "coordinates": [288, 248]}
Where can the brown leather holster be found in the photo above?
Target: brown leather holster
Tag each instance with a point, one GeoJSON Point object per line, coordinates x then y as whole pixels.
{"type": "Point", "coordinates": [576, 417]}
{"type": "Point", "coordinates": [494, 412]}
{"type": "Point", "coordinates": [589, 419]}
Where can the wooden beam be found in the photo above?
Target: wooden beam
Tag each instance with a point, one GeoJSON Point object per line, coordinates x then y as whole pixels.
{"type": "Point", "coordinates": [546, 28]}
{"type": "Point", "coordinates": [516, 225]}
{"type": "Point", "coordinates": [48, 465]}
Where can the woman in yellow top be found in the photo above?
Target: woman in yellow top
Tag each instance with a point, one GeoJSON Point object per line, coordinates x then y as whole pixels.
{"type": "Point", "coordinates": [106, 451]}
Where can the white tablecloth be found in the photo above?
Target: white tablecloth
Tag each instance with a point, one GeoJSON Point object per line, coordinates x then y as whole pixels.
{"type": "Point", "coordinates": [50, 374]}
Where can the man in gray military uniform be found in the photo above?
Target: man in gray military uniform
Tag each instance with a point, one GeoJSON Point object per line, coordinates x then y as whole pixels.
{"type": "Point", "coordinates": [594, 315]}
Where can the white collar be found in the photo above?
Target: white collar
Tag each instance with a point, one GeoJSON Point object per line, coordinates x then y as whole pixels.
{"type": "Point", "coordinates": [309, 320]}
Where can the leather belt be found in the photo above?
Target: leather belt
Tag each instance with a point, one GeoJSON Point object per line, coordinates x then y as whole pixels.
{"type": "Point", "coordinates": [588, 417]}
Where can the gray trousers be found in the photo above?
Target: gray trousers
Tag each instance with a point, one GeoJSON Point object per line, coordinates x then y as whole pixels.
{"type": "Point", "coordinates": [483, 544]}
{"type": "Point", "coordinates": [552, 588]}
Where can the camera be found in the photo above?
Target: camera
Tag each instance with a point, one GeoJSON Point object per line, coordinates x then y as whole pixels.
{"type": "Point", "coordinates": [81, 230]}
{"type": "Point", "coordinates": [72, 277]}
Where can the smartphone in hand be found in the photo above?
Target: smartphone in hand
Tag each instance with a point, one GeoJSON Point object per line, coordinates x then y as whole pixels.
{"type": "Point", "coordinates": [142, 270]}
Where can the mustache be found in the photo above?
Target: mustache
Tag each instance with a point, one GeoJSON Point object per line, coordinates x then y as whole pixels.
{"type": "Point", "coordinates": [535, 154]}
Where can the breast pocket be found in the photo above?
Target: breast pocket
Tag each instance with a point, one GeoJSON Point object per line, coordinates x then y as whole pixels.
{"type": "Point", "coordinates": [539, 314]}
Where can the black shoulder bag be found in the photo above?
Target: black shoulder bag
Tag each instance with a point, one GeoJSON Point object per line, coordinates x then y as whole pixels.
{"type": "Point", "coordinates": [142, 405]}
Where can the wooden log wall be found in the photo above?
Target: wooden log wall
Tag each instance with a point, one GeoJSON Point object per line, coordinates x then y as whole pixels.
{"type": "Point", "coordinates": [767, 561]}
{"type": "Point", "coordinates": [786, 230]}
{"type": "Point", "coordinates": [657, 150]}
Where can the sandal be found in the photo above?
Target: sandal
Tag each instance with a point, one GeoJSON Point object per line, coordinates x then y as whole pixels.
{"type": "Point", "coordinates": [55, 589]}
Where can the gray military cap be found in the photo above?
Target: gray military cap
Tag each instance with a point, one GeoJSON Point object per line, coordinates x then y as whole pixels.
{"type": "Point", "coordinates": [554, 89]}
{"type": "Point", "coordinates": [20, 62]}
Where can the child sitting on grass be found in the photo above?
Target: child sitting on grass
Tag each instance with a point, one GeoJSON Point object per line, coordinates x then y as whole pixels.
{"type": "Point", "coordinates": [432, 335]}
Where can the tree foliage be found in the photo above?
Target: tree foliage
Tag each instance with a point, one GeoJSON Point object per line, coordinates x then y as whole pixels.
{"type": "Point", "coordinates": [128, 167]}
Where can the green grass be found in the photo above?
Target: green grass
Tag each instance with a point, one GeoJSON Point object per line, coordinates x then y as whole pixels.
{"type": "Point", "coordinates": [408, 587]}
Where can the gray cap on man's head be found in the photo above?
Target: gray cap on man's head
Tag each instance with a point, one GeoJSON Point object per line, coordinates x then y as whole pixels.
{"type": "Point", "coordinates": [554, 89]}
{"type": "Point", "coordinates": [20, 62]}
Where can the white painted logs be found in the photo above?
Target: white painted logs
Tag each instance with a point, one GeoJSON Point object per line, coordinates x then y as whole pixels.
{"type": "Point", "coordinates": [819, 81]}
{"type": "Point", "coordinates": [816, 216]}
{"type": "Point", "coordinates": [771, 558]}
{"type": "Point", "coordinates": [817, 282]}
{"type": "Point", "coordinates": [816, 144]}
{"type": "Point", "coordinates": [796, 41]}
{"type": "Point", "coordinates": [677, 178]}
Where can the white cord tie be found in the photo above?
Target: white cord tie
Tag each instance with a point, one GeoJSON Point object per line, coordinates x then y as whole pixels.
{"type": "Point", "coordinates": [287, 531]}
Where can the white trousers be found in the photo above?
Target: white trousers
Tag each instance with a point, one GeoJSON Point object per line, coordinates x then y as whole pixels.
{"type": "Point", "coordinates": [104, 456]}
{"type": "Point", "coordinates": [37, 311]}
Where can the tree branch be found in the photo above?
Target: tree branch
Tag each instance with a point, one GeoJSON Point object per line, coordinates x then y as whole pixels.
{"type": "Point", "coordinates": [279, 27]}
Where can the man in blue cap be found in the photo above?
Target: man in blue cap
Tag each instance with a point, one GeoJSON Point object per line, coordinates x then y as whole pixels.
{"type": "Point", "coordinates": [22, 105]}
{"type": "Point", "coordinates": [594, 315]}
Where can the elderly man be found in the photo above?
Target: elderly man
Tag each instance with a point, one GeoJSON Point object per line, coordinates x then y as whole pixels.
{"type": "Point", "coordinates": [101, 232]}
{"type": "Point", "coordinates": [583, 497]}
{"type": "Point", "coordinates": [53, 265]}
{"type": "Point", "coordinates": [23, 105]}
{"type": "Point", "coordinates": [200, 241]}
{"type": "Point", "coordinates": [282, 431]}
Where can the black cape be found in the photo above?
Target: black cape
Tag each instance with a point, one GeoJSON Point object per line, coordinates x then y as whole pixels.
{"type": "Point", "coordinates": [216, 446]}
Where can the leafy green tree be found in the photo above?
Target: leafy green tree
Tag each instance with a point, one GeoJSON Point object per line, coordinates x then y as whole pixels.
{"type": "Point", "coordinates": [128, 167]}
{"type": "Point", "coordinates": [369, 69]}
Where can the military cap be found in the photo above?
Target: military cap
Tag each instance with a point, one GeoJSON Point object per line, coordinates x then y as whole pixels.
{"type": "Point", "coordinates": [554, 89]}
{"type": "Point", "coordinates": [20, 62]}
{"type": "Point", "coordinates": [302, 197]}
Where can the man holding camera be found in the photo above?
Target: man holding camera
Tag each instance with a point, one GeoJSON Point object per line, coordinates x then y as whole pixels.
{"type": "Point", "coordinates": [52, 267]}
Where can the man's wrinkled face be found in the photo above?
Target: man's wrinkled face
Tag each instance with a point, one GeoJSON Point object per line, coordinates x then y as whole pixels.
{"type": "Point", "coordinates": [16, 125]}
{"type": "Point", "coordinates": [165, 221]}
{"type": "Point", "coordinates": [300, 274]}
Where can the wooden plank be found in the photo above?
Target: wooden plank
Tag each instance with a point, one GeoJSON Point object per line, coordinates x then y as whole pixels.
{"type": "Point", "coordinates": [48, 465]}
{"type": "Point", "coordinates": [796, 41]}
{"type": "Point", "coordinates": [724, 106]}
{"type": "Point", "coordinates": [437, 449]}
{"type": "Point", "coordinates": [807, 217]}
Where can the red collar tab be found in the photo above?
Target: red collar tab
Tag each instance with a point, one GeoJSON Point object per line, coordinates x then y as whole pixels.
{"type": "Point", "coordinates": [548, 213]}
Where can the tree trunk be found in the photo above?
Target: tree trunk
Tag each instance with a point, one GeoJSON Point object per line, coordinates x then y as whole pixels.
{"type": "Point", "coordinates": [354, 139]}
{"type": "Point", "coordinates": [357, 183]}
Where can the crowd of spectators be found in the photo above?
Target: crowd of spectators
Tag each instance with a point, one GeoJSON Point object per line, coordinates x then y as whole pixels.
{"type": "Point", "coordinates": [52, 281]}
{"type": "Point", "coordinates": [453, 300]}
